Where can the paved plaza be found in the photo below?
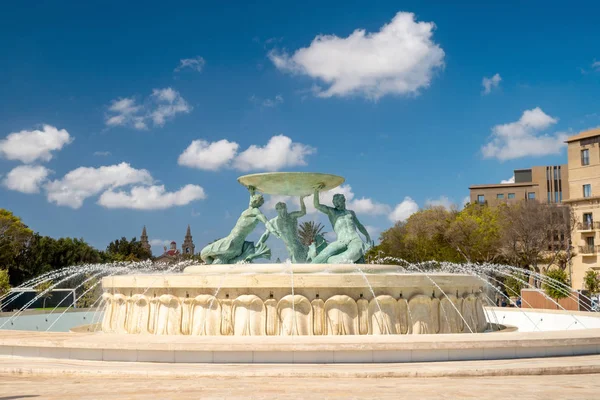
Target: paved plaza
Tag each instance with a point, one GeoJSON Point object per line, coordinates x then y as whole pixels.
{"type": "Point", "coordinates": [133, 388]}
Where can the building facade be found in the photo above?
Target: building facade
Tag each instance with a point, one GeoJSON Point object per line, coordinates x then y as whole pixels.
{"type": "Point", "coordinates": [583, 152]}
{"type": "Point", "coordinates": [547, 184]}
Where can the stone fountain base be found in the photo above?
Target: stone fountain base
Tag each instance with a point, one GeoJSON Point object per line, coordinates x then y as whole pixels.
{"type": "Point", "coordinates": [220, 301]}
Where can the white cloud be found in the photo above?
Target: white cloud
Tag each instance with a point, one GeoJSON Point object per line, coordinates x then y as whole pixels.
{"type": "Point", "coordinates": [197, 64]}
{"type": "Point", "coordinates": [404, 210]}
{"type": "Point", "coordinates": [208, 155]}
{"type": "Point", "coordinates": [596, 65]}
{"type": "Point", "coordinates": [159, 242]}
{"type": "Point", "coordinates": [26, 178]}
{"type": "Point", "coordinates": [368, 206]}
{"type": "Point", "coordinates": [84, 182]}
{"type": "Point", "coordinates": [399, 59]}
{"type": "Point", "coordinates": [30, 146]}
{"type": "Point", "coordinates": [522, 138]}
{"type": "Point", "coordinates": [161, 105]}
{"type": "Point", "coordinates": [279, 152]}
{"type": "Point", "coordinates": [151, 197]}
{"type": "Point", "coordinates": [102, 153]}
{"type": "Point", "coordinates": [490, 83]}
{"type": "Point", "coordinates": [442, 201]}
{"type": "Point", "coordinates": [267, 103]}
{"type": "Point", "coordinates": [509, 180]}
{"type": "Point", "coordinates": [169, 103]}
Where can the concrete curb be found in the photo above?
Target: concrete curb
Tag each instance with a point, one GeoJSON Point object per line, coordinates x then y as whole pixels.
{"type": "Point", "coordinates": [523, 367]}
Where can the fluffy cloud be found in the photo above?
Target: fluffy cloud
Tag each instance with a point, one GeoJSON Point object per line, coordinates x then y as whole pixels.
{"type": "Point", "coordinates": [208, 155]}
{"type": "Point", "coordinates": [404, 210]}
{"type": "Point", "coordinates": [442, 201]}
{"type": "Point", "coordinates": [159, 242]}
{"type": "Point", "coordinates": [509, 180]}
{"type": "Point", "coordinates": [368, 206]}
{"type": "Point", "coordinates": [523, 137]}
{"type": "Point", "coordinates": [26, 178]}
{"type": "Point", "coordinates": [197, 64]}
{"type": "Point", "coordinates": [161, 105]}
{"type": "Point", "coordinates": [36, 145]}
{"type": "Point", "coordinates": [466, 200]}
{"type": "Point", "coordinates": [279, 152]}
{"type": "Point", "coordinates": [168, 104]}
{"type": "Point", "coordinates": [102, 153]}
{"type": "Point", "coordinates": [84, 182]}
{"type": "Point", "coordinates": [596, 65]}
{"type": "Point", "coordinates": [151, 197]}
{"type": "Point", "coordinates": [399, 59]}
{"type": "Point", "coordinates": [490, 83]}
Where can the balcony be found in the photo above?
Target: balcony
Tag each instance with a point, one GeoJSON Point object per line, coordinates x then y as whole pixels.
{"type": "Point", "coordinates": [588, 226]}
{"type": "Point", "coordinates": [589, 250]}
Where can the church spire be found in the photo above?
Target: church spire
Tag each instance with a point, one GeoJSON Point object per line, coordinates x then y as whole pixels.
{"type": "Point", "coordinates": [188, 243]}
{"type": "Point", "coordinates": [144, 239]}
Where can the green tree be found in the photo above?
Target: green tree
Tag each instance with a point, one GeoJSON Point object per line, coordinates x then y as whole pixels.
{"type": "Point", "coordinates": [475, 233]}
{"type": "Point", "coordinates": [44, 254]}
{"type": "Point", "coordinates": [4, 282]}
{"type": "Point", "coordinates": [592, 281]}
{"type": "Point", "coordinates": [127, 250]}
{"type": "Point", "coordinates": [89, 292]}
{"type": "Point", "coordinates": [514, 283]}
{"type": "Point", "coordinates": [308, 231]}
{"type": "Point", "coordinates": [554, 288]}
{"type": "Point", "coordinates": [14, 238]}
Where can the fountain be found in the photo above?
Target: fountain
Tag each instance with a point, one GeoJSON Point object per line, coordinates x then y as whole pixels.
{"type": "Point", "coordinates": [327, 290]}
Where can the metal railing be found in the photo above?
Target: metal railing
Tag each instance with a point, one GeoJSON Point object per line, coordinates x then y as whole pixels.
{"type": "Point", "coordinates": [588, 225]}
{"type": "Point", "coordinates": [589, 249]}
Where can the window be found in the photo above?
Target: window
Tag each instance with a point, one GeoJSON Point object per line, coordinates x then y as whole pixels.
{"type": "Point", "coordinates": [500, 196]}
{"type": "Point", "coordinates": [531, 195]}
{"type": "Point", "coordinates": [588, 221]}
{"type": "Point", "coordinates": [511, 195]}
{"type": "Point", "coordinates": [556, 197]}
{"type": "Point", "coordinates": [480, 198]}
{"type": "Point", "coordinates": [587, 190]}
{"type": "Point", "coordinates": [187, 250]}
{"type": "Point", "coordinates": [585, 157]}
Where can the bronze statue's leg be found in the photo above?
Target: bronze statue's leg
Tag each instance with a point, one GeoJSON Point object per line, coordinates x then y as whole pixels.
{"type": "Point", "coordinates": [351, 255]}
{"type": "Point", "coordinates": [329, 251]}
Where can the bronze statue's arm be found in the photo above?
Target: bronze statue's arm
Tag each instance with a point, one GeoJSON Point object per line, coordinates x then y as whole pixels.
{"type": "Point", "coordinates": [318, 205]}
{"type": "Point", "coordinates": [261, 217]}
{"type": "Point", "coordinates": [361, 227]}
{"type": "Point", "coordinates": [302, 212]}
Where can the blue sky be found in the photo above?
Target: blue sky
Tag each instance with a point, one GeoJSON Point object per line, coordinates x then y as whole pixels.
{"type": "Point", "coordinates": [98, 102]}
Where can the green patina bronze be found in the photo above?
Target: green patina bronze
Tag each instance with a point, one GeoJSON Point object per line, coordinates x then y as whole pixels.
{"type": "Point", "coordinates": [347, 248]}
{"type": "Point", "coordinates": [234, 247]}
{"type": "Point", "coordinates": [287, 225]}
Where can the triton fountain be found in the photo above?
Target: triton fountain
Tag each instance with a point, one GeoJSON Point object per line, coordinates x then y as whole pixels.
{"type": "Point", "coordinates": [326, 289]}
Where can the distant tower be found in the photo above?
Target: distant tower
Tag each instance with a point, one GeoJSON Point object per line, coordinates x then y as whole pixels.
{"type": "Point", "coordinates": [144, 240]}
{"type": "Point", "coordinates": [188, 244]}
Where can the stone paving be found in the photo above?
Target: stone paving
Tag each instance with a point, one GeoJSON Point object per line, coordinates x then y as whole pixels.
{"type": "Point", "coordinates": [545, 387]}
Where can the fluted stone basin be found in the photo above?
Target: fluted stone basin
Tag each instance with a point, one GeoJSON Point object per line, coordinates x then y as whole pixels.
{"type": "Point", "coordinates": [295, 299]}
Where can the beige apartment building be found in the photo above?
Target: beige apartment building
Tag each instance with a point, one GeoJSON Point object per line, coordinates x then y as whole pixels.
{"type": "Point", "coordinates": [583, 154]}
{"type": "Point", "coordinates": [548, 184]}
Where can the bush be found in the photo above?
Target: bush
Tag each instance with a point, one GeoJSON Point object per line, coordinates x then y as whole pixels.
{"type": "Point", "coordinates": [553, 288]}
{"type": "Point", "coordinates": [592, 281]}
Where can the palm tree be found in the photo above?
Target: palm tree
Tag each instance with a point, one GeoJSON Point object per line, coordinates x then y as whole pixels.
{"type": "Point", "coordinates": [308, 231]}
